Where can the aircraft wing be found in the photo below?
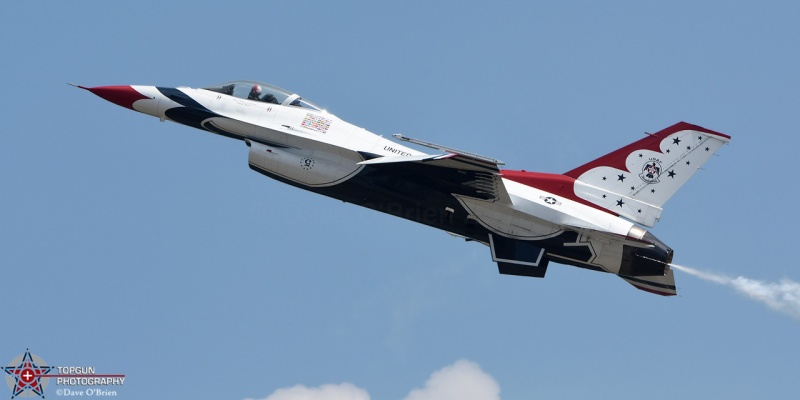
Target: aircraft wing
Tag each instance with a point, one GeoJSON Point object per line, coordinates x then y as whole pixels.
{"type": "Point", "coordinates": [463, 174]}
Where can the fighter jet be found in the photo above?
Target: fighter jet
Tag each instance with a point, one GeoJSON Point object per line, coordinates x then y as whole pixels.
{"type": "Point", "coordinates": [594, 216]}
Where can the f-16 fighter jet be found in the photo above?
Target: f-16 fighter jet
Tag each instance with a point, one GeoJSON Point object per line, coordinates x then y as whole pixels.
{"type": "Point", "coordinates": [592, 217]}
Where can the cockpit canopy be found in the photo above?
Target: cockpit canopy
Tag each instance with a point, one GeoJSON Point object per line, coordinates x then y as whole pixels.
{"type": "Point", "coordinates": [263, 92]}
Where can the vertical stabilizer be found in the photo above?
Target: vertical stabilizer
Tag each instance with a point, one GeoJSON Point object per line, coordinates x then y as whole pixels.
{"type": "Point", "coordinates": [636, 180]}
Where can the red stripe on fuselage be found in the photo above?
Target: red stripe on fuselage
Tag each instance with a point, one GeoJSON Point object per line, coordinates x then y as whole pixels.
{"type": "Point", "coordinates": [558, 185]}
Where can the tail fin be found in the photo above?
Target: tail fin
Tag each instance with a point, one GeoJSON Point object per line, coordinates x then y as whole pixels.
{"type": "Point", "coordinates": [636, 180]}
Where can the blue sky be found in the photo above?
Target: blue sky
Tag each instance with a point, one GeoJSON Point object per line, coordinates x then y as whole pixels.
{"type": "Point", "coordinates": [150, 249]}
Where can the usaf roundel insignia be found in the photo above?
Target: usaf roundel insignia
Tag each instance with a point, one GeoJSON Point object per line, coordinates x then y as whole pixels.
{"type": "Point", "coordinates": [651, 171]}
{"type": "Point", "coordinates": [550, 200]}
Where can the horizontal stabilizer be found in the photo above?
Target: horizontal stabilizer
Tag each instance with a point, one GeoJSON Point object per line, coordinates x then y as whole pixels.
{"type": "Point", "coordinates": [663, 285]}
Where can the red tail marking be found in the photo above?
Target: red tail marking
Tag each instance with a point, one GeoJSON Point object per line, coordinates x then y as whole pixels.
{"type": "Point", "coordinates": [616, 159]}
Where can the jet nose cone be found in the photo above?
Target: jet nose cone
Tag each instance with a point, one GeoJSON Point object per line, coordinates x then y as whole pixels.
{"type": "Point", "coordinates": [121, 95]}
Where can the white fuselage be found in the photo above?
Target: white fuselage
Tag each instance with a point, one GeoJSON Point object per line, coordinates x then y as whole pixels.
{"type": "Point", "coordinates": [317, 149]}
{"type": "Point", "coordinates": [527, 218]}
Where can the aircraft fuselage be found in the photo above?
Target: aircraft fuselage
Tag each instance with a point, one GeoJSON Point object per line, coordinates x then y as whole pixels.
{"type": "Point", "coordinates": [527, 219]}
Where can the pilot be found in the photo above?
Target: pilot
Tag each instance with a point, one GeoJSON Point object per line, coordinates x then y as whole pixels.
{"type": "Point", "coordinates": [269, 98]}
{"type": "Point", "coordinates": [255, 92]}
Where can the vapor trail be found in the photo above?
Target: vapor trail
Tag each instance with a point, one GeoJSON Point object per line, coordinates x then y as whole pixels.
{"type": "Point", "coordinates": [783, 296]}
